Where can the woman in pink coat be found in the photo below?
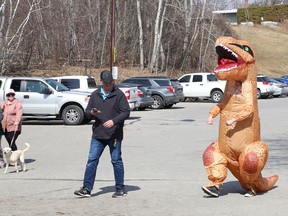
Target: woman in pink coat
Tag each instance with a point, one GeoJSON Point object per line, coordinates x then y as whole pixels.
{"type": "Point", "coordinates": [12, 121]}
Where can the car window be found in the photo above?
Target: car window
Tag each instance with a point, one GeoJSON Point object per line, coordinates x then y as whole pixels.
{"type": "Point", "coordinates": [259, 79]}
{"type": "Point", "coordinates": [56, 85]}
{"type": "Point", "coordinates": [91, 83]}
{"type": "Point", "coordinates": [144, 82]}
{"type": "Point", "coordinates": [162, 82]}
{"type": "Point", "coordinates": [197, 78]}
{"type": "Point", "coordinates": [34, 86]}
{"type": "Point", "coordinates": [15, 85]}
{"type": "Point", "coordinates": [185, 79]}
{"type": "Point", "coordinates": [211, 77]}
{"type": "Point", "coordinates": [71, 83]}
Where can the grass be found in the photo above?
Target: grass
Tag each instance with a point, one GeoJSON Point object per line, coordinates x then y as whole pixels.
{"type": "Point", "coordinates": [270, 44]}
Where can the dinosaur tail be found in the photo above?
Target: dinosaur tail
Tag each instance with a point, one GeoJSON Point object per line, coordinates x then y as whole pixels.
{"type": "Point", "coordinates": [265, 184]}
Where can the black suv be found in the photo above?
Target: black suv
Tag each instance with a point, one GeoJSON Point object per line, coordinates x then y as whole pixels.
{"type": "Point", "coordinates": [165, 91]}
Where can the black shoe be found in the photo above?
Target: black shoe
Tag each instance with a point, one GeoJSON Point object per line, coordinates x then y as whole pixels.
{"type": "Point", "coordinates": [250, 193]}
{"type": "Point", "coordinates": [119, 193]}
{"type": "Point", "coordinates": [83, 192]}
{"type": "Point", "coordinates": [212, 191]}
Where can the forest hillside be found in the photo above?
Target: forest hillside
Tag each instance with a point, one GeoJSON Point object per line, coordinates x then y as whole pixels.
{"type": "Point", "coordinates": [270, 44]}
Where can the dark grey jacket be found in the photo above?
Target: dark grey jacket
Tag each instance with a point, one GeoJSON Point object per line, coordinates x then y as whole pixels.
{"type": "Point", "coordinates": [1, 117]}
{"type": "Point", "coordinates": [115, 107]}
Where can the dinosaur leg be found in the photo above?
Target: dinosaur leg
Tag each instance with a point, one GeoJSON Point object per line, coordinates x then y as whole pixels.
{"type": "Point", "coordinates": [215, 165]}
{"type": "Point", "coordinates": [251, 161]}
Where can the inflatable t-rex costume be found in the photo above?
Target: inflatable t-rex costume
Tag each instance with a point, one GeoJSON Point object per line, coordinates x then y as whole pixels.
{"type": "Point", "coordinates": [238, 148]}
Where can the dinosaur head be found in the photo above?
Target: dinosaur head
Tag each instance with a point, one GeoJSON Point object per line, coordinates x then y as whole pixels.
{"type": "Point", "coordinates": [235, 57]}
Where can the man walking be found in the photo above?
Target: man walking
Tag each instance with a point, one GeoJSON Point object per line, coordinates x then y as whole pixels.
{"type": "Point", "coordinates": [109, 107]}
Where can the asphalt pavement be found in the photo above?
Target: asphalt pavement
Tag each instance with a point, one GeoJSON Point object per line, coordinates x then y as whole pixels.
{"type": "Point", "coordinates": [162, 153]}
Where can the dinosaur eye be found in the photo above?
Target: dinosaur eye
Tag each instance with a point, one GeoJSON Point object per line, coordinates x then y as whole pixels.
{"type": "Point", "coordinates": [247, 49]}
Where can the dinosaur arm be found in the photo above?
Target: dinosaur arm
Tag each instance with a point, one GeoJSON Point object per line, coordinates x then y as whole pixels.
{"type": "Point", "coordinates": [216, 110]}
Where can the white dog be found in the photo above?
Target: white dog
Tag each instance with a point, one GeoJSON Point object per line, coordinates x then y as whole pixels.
{"type": "Point", "coordinates": [15, 157]}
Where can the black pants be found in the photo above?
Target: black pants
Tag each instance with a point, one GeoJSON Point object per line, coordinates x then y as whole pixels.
{"type": "Point", "coordinates": [11, 138]}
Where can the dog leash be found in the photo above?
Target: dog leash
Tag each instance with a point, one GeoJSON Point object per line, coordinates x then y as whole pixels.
{"type": "Point", "coordinates": [13, 136]}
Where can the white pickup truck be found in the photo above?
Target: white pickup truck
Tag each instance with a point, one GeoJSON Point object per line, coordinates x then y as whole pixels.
{"type": "Point", "coordinates": [88, 84]}
{"type": "Point", "coordinates": [44, 98]}
{"type": "Point", "coordinates": [202, 85]}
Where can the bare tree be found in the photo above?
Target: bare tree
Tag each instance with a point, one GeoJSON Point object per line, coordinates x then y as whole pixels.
{"type": "Point", "coordinates": [14, 32]}
{"type": "Point", "coordinates": [141, 51]}
{"type": "Point", "coordinates": [157, 34]}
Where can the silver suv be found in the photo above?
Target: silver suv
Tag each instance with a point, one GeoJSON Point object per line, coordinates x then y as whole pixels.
{"type": "Point", "coordinates": [264, 86]}
{"type": "Point", "coordinates": [165, 91]}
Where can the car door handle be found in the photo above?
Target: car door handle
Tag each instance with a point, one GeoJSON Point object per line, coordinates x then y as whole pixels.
{"type": "Point", "coordinates": [26, 96]}
{"type": "Point", "coordinates": [187, 85]}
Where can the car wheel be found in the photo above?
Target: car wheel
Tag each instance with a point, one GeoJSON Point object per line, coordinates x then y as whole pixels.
{"type": "Point", "coordinates": [73, 115]}
{"type": "Point", "coordinates": [141, 108]}
{"type": "Point", "coordinates": [216, 96]}
{"type": "Point", "coordinates": [258, 93]}
{"type": "Point", "coordinates": [168, 106]}
{"type": "Point", "coordinates": [158, 102]}
{"type": "Point", "coordinates": [86, 120]}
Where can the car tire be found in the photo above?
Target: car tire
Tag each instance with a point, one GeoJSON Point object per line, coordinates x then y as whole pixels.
{"type": "Point", "coordinates": [86, 121]}
{"type": "Point", "coordinates": [158, 102]}
{"type": "Point", "coordinates": [258, 93]}
{"type": "Point", "coordinates": [73, 115]}
{"type": "Point", "coordinates": [168, 106]}
{"type": "Point", "coordinates": [141, 108]}
{"type": "Point", "coordinates": [217, 96]}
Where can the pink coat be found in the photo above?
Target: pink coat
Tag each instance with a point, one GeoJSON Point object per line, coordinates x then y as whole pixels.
{"type": "Point", "coordinates": [12, 112]}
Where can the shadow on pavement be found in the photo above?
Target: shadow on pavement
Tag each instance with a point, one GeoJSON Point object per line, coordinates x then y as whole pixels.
{"type": "Point", "coordinates": [235, 187]}
{"type": "Point", "coordinates": [111, 189]}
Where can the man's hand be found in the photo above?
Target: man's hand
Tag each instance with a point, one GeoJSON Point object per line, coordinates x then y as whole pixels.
{"type": "Point", "coordinates": [94, 112]}
{"type": "Point", "coordinates": [108, 124]}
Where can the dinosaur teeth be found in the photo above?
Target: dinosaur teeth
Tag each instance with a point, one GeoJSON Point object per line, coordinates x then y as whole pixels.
{"type": "Point", "coordinates": [224, 52]}
{"type": "Point", "coordinates": [229, 51]}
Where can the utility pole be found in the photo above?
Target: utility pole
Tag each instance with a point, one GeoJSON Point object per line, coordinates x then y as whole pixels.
{"type": "Point", "coordinates": [113, 59]}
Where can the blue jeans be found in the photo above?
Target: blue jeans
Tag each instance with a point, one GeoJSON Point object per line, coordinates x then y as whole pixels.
{"type": "Point", "coordinates": [97, 147]}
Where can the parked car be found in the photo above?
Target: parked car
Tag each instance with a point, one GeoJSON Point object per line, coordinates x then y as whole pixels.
{"type": "Point", "coordinates": [88, 84]}
{"type": "Point", "coordinates": [284, 76]}
{"type": "Point", "coordinates": [46, 99]}
{"type": "Point", "coordinates": [265, 86]}
{"type": "Point", "coordinates": [202, 85]}
{"type": "Point", "coordinates": [281, 80]}
{"type": "Point", "coordinates": [164, 94]}
{"type": "Point", "coordinates": [144, 99]}
{"type": "Point", "coordinates": [280, 89]}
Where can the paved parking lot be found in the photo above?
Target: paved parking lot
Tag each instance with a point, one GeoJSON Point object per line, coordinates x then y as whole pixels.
{"type": "Point", "coordinates": [162, 153]}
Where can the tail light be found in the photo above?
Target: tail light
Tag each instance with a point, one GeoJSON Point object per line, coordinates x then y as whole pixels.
{"type": "Point", "coordinates": [127, 94]}
{"type": "Point", "coordinates": [265, 83]}
{"type": "Point", "coordinates": [140, 93]}
{"type": "Point", "coordinates": [171, 89]}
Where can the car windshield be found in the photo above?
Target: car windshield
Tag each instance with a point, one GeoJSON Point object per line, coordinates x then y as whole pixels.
{"type": "Point", "coordinates": [211, 77]}
{"type": "Point", "coordinates": [56, 85]}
